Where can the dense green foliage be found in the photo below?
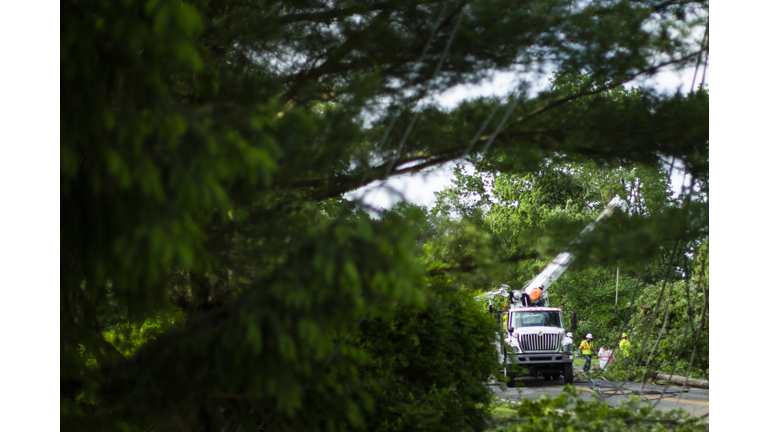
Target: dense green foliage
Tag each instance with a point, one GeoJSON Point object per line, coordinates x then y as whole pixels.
{"type": "Point", "coordinates": [676, 340]}
{"type": "Point", "coordinates": [429, 367]}
{"type": "Point", "coordinates": [213, 275]}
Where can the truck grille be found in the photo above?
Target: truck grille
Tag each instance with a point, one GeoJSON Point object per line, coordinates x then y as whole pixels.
{"type": "Point", "coordinates": [545, 342]}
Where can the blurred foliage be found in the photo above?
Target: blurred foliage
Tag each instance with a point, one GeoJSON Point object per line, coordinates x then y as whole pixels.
{"type": "Point", "coordinates": [429, 367]}
{"type": "Point", "coordinates": [212, 273]}
{"type": "Point", "coordinates": [127, 337]}
{"type": "Point", "coordinates": [569, 411]}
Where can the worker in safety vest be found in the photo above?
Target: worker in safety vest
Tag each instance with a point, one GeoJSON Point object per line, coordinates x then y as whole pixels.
{"type": "Point", "coordinates": [624, 346]}
{"type": "Point", "coordinates": [586, 350]}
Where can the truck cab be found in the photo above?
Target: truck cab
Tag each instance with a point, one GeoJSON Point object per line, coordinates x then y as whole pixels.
{"type": "Point", "coordinates": [536, 336]}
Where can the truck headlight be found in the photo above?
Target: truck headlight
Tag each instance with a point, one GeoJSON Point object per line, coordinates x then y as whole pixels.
{"type": "Point", "coordinates": [567, 348]}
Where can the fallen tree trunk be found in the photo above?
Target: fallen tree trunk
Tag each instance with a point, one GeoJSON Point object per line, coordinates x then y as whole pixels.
{"type": "Point", "coordinates": [679, 380]}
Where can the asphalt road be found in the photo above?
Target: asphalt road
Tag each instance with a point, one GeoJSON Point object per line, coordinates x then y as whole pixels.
{"type": "Point", "coordinates": [693, 400]}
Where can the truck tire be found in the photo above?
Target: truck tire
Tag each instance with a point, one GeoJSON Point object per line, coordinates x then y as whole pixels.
{"type": "Point", "coordinates": [568, 373]}
{"type": "Point", "coordinates": [511, 382]}
{"type": "Point", "coordinates": [511, 376]}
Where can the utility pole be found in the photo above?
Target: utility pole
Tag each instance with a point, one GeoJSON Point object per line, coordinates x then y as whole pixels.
{"type": "Point", "coordinates": [616, 304]}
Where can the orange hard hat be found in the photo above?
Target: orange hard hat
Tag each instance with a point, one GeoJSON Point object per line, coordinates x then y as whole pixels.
{"type": "Point", "coordinates": [535, 294]}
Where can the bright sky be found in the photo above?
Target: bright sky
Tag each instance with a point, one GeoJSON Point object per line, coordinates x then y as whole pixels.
{"type": "Point", "coordinates": [420, 188]}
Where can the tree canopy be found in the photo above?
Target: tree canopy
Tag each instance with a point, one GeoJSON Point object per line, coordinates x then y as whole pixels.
{"type": "Point", "coordinates": [502, 227]}
{"type": "Point", "coordinates": [212, 273]}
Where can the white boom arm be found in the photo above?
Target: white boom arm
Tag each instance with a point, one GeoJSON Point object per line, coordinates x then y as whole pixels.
{"type": "Point", "coordinates": [491, 294]}
{"type": "Point", "coordinates": [560, 264]}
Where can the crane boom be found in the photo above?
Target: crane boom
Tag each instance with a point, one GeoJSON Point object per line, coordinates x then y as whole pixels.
{"type": "Point", "coordinates": [560, 264]}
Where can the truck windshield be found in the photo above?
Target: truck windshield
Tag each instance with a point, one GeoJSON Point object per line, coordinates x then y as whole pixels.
{"type": "Point", "coordinates": [536, 318]}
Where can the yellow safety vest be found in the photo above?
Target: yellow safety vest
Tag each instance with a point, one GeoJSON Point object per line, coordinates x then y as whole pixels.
{"type": "Point", "coordinates": [586, 347]}
{"type": "Point", "coordinates": [624, 345]}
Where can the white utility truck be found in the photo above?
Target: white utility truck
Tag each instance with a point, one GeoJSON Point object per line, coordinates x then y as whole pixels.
{"type": "Point", "coordinates": [534, 330]}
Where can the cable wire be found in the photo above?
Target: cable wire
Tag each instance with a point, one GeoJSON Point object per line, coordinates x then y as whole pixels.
{"type": "Point", "coordinates": [597, 384]}
{"type": "Point", "coordinates": [421, 58]}
{"type": "Point", "coordinates": [416, 115]}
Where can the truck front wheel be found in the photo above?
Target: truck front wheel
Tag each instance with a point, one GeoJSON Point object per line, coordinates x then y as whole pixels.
{"type": "Point", "coordinates": [511, 376]}
{"type": "Point", "coordinates": [568, 373]}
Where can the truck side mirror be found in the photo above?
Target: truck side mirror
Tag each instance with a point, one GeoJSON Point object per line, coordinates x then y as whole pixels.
{"type": "Point", "coordinates": [573, 321]}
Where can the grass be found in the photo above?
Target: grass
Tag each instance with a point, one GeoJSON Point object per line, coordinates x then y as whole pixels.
{"type": "Point", "coordinates": [501, 411]}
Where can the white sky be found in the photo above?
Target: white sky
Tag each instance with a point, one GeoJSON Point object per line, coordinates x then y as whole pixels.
{"type": "Point", "coordinates": [420, 188]}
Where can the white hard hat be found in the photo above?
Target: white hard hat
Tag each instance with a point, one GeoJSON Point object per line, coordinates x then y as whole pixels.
{"type": "Point", "coordinates": [569, 334]}
{"type": "Point", "coordinates": [589, 335]}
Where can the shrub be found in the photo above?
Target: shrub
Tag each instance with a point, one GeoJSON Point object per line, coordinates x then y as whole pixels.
{"type": "Point", "coordinates": [429, 367]}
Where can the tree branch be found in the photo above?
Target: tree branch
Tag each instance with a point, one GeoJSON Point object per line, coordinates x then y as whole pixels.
{"type": "Point", "coordinates": [469, 269]}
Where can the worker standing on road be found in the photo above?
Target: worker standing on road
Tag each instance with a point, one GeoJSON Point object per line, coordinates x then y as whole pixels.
{"type": "Point", "coordinates": [624, 346]}
{"type": "Point", "coordinates": [586, 350]}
